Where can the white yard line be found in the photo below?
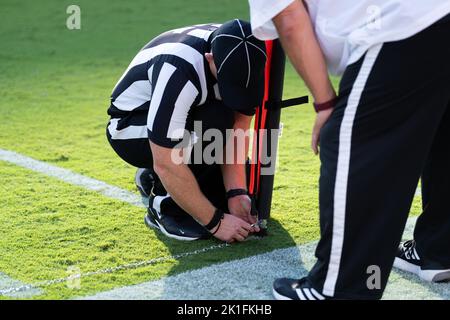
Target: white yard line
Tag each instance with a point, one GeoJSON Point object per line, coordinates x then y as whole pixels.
{"type": "Point", "coordinates": [71, 177]}
{"type": "Point", "coordinates": [7, 282]}
{"type": "Point", "coordinates": [248, 278]}
{"type": "Point", "coordinates": [251, 278]}
{"type": "Point", "coordinates": [15, 288]}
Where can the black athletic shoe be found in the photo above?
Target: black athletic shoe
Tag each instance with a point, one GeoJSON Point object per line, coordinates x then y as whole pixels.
{"type": "Point", "coordinates": [150, 221]}
{"type": "Point", "coordinates": [293, 289]}
{"type": "Point", "coordinates": [182, 227]}
{"type": "Point", "coordinates": [144, 180]}
{"type": "Point", "coordinates": [409, 260]}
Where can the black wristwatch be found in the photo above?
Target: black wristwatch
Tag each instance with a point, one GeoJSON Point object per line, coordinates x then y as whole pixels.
{"type": "Point", "coordinates": [236, 192]}
{"type": "Point", "coordinates": [216, 219]}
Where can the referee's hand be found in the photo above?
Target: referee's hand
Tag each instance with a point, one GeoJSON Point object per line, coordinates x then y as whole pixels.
{"type": "Point", "coordinates": [233, 229]}
{"type": "Point", "coordinates": [321, 119]}
{"type": "Point", "coordinates": [241, 207]}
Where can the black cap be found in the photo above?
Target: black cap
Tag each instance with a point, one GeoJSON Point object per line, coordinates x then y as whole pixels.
{"type": "Point", "coordinates": [240, 59]}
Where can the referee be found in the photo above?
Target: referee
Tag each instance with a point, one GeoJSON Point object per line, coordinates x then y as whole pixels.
{"type": "Point", "coordinates": [209, 74]}
{"type": "Point", "coordinates": [389, 126]}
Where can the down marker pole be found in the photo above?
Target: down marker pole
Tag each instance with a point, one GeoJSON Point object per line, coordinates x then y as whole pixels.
{"type": "Point", "coordinates": [267, 129]}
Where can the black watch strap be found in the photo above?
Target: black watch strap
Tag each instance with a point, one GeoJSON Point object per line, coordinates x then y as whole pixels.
{"type": "Point", "coordinates": [218, 216]}
{"type": "Point", "coordinates": [236, 192]}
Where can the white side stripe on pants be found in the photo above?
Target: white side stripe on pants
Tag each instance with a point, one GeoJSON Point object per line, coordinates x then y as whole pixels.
{"type": "Point", "coordinates": [341, 185]}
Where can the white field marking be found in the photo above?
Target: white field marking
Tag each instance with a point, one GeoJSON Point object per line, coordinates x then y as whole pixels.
{"type": "Point", "coordinates": [252, 278]}
{"type": "Point", "coordinates": [76, 178]}
{"type": "Point", "coordinates": [71, 177]}
{"type": "Point", "coordinates": [17, 289]}
{"type": "Point", "coordinates": [13, 287]}
{"type": "Point", "coordinates": [8, 282]}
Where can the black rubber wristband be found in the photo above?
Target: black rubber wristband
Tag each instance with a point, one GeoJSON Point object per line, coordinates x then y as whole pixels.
{"type": "Point", "coordinates": [218, 227]}
{"type": "Point", "coordinates": [236, 192]}
{"type": "Point", "coordinates": [218, 216]}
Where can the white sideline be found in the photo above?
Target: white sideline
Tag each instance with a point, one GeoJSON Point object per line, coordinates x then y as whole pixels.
{"type": "Point", "coordinates": [251, 278]}
{"type": "Point", "coordinates": [71, 177]}
{"type": "Point", "coordinates": [68, 176]}
{"type": "Point", "coordinates": [14, 288]}
{"type": "Point", "coordinates": [7, 282]}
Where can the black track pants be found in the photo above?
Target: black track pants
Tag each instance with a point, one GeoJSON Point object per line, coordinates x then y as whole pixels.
{"type": "Point", "coordinates": [391, 124]}
{"type": "Point", "coordinates": [432, 232]}
{"type": "Point", "coordinates": [137, 152]}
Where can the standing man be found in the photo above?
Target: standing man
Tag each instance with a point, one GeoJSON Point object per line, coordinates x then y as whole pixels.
{"type": "Point", "coordinates": [210, 76]}
{"type": "Point", "coordinates": [389, 125]}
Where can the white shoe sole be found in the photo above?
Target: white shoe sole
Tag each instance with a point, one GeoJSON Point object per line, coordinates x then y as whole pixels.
{"type": "Point", "coordinates": [278, 296]}
{"type": "Point", "coordinates": [427, 275]}
{"type": "Point", "coordinates": [150, 223]}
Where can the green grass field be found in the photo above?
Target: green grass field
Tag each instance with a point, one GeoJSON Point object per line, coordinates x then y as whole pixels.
{"type": "Point", "coordinates": [54, 91]}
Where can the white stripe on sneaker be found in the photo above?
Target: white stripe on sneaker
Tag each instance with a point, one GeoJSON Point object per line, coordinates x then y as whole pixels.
{"type": "Point", "coordinates": [317, 294]}
{"type": "Point", "coordinates": [343, 167]}
{"type": "Point", "coordinates": [415, 254]}
{"type": "Point", "coordinates": [308, 294]}
{"type": "Point", "coordinates": [300, 294]}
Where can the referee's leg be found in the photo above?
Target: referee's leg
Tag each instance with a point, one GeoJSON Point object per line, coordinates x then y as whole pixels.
{"type": "Point", "coordinates": [373, 151]}
{"type": "Point", "coordinates": [213, 115]}
{"type": "Point", "coordinates": [432, 232]}
{"type": "Point", "coordinates": [128, 138]}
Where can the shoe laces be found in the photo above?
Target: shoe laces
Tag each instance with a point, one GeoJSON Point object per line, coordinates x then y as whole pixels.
{"type": "Point", "coordinates": [409, 250]}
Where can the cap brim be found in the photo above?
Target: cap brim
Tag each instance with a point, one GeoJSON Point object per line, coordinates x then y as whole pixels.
{"type": "Point", "coordinates": [237, 98]}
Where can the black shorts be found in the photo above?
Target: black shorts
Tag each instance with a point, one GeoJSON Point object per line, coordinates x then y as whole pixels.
{"type": "Point", "coordinates": [137, 152]}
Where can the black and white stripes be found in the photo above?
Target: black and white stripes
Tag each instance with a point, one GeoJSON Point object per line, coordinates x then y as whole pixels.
{"type": "Point", "coordinates": [165, 79]}
{"type": "Point", "coordinates": [343, 169]}
{"type": "Point", "coordinates": [309, 294]}
{"type": "Point", "coordinates": [293, 289]}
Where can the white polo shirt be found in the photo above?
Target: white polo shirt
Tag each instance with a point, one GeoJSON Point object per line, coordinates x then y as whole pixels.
{"type": "Point", "coordinates": [346, 29]}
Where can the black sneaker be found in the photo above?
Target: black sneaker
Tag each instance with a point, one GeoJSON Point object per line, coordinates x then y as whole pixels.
{"type": "Point", "coordinates": [150, 221]}
{"type": "Point", "coordinates": [144, 180]}
{"type": "Point", "coordinates": [293, 289]}
{"type": "Point", "coordinates": [182, 227]}
{"type": "Point", "coordinates": [408, 259]}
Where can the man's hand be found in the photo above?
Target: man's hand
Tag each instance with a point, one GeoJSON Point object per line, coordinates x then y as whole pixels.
{"type": "Point", "coordinates": [232, 229]}
{"type": "Point", "coordinates": [322, 118]}
{"type": "Point", "coordinates": [241, 207]}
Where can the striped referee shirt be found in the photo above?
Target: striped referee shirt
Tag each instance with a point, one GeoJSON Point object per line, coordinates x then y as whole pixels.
{"type": "Point", "coordinates": [163, 82]}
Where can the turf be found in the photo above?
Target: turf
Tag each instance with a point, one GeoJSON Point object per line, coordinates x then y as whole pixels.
{"type": "Point", "coordinates": [54, 92]}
